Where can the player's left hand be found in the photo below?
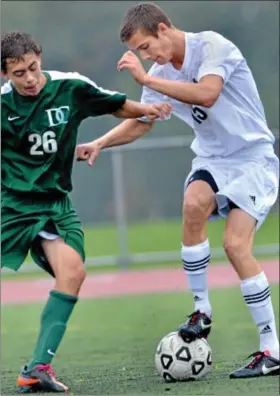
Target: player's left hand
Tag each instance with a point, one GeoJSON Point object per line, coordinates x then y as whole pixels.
{"type": "Point", "coordinates": [88, 152]}
{"type": "Point", "coordinates": [131, 62]}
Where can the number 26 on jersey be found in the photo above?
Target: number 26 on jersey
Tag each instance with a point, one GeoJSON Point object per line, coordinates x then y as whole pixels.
{"type": "Point", "coordinates": [45, 144]}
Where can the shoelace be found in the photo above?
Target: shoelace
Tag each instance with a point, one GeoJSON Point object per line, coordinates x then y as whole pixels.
{"type": "Point", "coordinates": [194, 317]}
{"type": "Point", "coordinates": [48, 368]}
{"type": "Point", "coordinates": [257, 357]}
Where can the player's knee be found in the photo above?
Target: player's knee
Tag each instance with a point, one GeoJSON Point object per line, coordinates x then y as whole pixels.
{"type": "Point", "coordinates": [194, 210]}
{"type": "Point", "coordinates": [72, 276]}
{"type": "Point", "coordinates": [235, 246]}
{"type": "Point", "coordinates": [80, 274]}
{"type": "Point", "coordinates": [76, 274]}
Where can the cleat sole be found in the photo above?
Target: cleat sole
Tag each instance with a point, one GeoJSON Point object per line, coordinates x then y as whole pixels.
{"type": "Point", "coordinates": [24, 389]}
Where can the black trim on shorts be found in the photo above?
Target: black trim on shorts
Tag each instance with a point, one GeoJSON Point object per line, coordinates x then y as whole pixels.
{"type": "Point", "coordinates": [204, 175]}
{"type": "Point", "coordinates": [232, 205]}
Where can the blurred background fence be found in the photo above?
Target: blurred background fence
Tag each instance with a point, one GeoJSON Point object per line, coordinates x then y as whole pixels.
{"type": "Point", "coordinates": [133, 194]}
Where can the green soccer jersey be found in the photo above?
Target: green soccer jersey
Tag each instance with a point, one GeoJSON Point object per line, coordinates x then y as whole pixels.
{"type": "Point", "coordinates": [39, 133]}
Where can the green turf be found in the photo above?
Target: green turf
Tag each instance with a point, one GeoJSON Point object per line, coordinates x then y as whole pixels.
{"type": "Point", "coordinates": [109, 347]}
{"type": "Point", "coordinates": [165, 236]}
{"type": "Point", "coordinates": [161, 236]}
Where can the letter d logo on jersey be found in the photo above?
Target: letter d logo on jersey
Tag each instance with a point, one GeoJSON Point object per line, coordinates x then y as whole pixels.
{"type": "Point", "coordinates": [58, 115]}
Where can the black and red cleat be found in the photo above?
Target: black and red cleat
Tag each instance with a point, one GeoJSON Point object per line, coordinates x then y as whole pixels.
{"type": "Point", "coordinates": [198, 326]}
{"type": "Point", "coordinates": [261, 365]}
{"type": "Point", "coordinates": [40, 379]}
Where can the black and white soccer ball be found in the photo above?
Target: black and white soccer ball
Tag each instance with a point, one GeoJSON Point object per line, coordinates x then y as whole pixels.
{"type": "Point", "coordinates": [177, 360]}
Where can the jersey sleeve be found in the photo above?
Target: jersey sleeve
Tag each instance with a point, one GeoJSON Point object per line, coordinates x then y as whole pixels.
{"type": "Point", "coordinates": [219, 56]}
{"type": "Point", "coordinates": [93, 100]}
{"type": "Point", "coordinates": [6, 125]}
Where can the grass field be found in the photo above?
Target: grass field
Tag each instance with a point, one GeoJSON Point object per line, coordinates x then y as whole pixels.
{"type": "Point", "coordinates": [165, 236]}
{"type": "Point", "coordinates": [110, 344]}
{"type": "Point", "coordinates": [156, 236]}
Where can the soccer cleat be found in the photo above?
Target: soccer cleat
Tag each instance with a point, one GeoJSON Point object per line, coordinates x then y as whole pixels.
{"type": "Point", "coordinates": [40, 379]}
{"type": "Point", "coordinates": [198, 326]}
{"type": "Point", "coordinates": [262, 365]}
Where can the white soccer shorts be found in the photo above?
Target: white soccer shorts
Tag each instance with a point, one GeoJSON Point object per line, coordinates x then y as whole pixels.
{"type": "Point", "coordinates": [251, 183]}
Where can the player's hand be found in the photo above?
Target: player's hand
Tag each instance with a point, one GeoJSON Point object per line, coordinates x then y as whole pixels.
{"type": "Point", "coordinates": [158, 110]}
{"type": "Point", "coordinates": [88, 152]}
{"type": "Point", "coordinates": [131, 62]}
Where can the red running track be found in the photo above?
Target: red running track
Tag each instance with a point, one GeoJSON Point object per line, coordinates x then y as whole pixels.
{"type": "Point", "coordinates": [127, 283]}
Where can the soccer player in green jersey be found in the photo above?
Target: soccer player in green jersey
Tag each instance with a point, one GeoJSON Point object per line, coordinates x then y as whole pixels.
{"type": "Point", "coordinates": [41, 113]}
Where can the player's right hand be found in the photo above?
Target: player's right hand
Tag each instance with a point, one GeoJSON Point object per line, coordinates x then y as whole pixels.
{"type": "Point", "coordinates": [158, 110]}
{"type": "Point", "coordinates": [88, 152]}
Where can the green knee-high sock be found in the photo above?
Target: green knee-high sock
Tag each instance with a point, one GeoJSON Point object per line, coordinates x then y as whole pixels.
{"type": "Point", "coordinates": [54, 319]}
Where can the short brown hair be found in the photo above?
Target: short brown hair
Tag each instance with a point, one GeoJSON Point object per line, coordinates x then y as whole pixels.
{"type": "Point", "coordinates": [15, 45]}
{"type": "Point", "coordinates": [144, 16]}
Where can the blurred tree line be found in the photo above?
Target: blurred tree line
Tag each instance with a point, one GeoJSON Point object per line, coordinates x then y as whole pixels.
{"type": "Point", "coordinates": [83, 36]}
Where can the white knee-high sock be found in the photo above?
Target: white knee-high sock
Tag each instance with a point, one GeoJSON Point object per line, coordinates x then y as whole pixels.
{"type": "Point", "coordinates": [256, 294]}
{"type": "Point", "coordinates": [195, 260]}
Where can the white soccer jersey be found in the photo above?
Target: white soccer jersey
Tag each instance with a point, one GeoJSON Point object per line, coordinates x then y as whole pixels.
{"type": "Point", "coordinates": [237, 119]}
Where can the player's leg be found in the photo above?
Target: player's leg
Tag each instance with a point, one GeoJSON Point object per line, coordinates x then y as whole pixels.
{"type": "Point", "coordinates": [69, 272]}
{"type": "Point", "coordinates": [252, 191]}
{"type": "Point", "coordinates": [64, 258]}
{"type": "Point", "coordinates": [238, 238]}
{"type": "Point", "coordinates": [199, 203]}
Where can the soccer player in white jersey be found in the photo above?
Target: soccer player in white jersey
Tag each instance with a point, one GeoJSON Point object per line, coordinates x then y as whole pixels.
{"type": "Point", "coordinates": [235, 172]}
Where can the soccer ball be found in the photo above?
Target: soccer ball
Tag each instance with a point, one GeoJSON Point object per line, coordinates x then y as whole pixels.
{"type": "Point", "coordinates": [177, 360]}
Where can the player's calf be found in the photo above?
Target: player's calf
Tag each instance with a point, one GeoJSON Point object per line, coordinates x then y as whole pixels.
{"type": "Point", "coordinates": [254, 284]}
{"type": "Point", "coordinates": [238, 249]}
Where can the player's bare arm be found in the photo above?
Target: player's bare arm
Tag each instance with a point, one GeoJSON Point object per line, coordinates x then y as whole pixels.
{"type": "Point", "coordinates": [133, 109]}
{"type": "Point", "coordinates": [124, 133]}
{"type": "Point", "coordinates": [204, 93]}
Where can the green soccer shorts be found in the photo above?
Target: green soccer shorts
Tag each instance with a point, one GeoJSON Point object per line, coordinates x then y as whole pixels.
{"type": "Point", "coordinates": [23, 217]}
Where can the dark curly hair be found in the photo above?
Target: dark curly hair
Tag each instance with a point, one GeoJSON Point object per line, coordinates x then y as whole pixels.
{"type": "Point", "coordinates": [16, 44]}
{"type": "Point", "coordinates": [143, 16]}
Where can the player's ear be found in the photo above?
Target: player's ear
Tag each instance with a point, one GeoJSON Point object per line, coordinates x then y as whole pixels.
{"type": "Point", "coordinates": [162, 28]}
{"type": "Point", "coordinates": [4, 75]}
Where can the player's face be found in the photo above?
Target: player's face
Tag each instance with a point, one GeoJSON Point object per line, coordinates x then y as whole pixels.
{"type": "Point", "coordinates": [157, 49]}
{"type": "Point", "coordinates": [26, 74]}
